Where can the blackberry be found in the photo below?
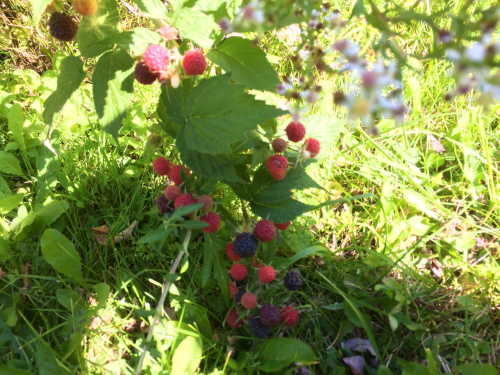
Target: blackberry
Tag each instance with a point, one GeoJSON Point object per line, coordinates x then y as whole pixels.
{"type": "Point", "coordinates": [245, 245]}
{"type": "Point", "coordinates": [237, 299]}
{"type": "Point", "coordinates": [164, 206]}
{"type": "Point", "coordinates": [62, 27]}
{"type": "Point", "coordinates": [145, 76]}
{"type": "Point", "coordinates": [257, 329]}
{"type": "Point", "coordinates": [239, 283]}
{"type": "Point", "coordinates": [270, 315]}
{"type": "Point", "coordinates": [292, 280]}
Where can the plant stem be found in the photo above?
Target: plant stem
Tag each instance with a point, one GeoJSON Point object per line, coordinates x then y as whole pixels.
{"type": "Point", "coordinates": [159, 308]}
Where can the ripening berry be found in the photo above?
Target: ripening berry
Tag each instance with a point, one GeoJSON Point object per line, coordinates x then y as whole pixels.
{"type": "Point", "coordinates": [264, 230]}
{"type": "Point", "coordinates": [143, 74]}
{"type": "Point", "coordinates": [175, 174]}
{"type": "Point", "coordinates": [279, 145]}
{"type": "Point", "coordinates": [230, 253]}
{"type": "Point", "coordinates": [282, 226]}
{"type": "Point", "coordinates": [172, 192]}
{"type": "Point", "coordinates": [184, 200]}
{"type": "Point", "coordinates": [238, 271]}
{"type": "Point", "coordinates": [194, 63]}
{"type": "Point", "coordinates": [267, 274]}
{"type": "Point", "coordinates": [161, 166]}
{"type": "Point", "coordinates": [233, 319]}
{"type": "Point", "coordinates": [289, 316]}
{"type": "Point", "coordinates": [62, 27]}
{"type": "Point", "coordinates": [233, 290]}
{"type": "Point", "coordinates": [295, 131]}
{"type": "Point", "coordinates": [248, 300]}
{"type": "Point", "coordinates": [312, 145]}
{"type": "Point", "coordinates": [85, 7]}
{"type": "Point", "coordinates": [156, 57]}
{"type": "Point", "coordinates": [207, 202]}
{"type": "Point", "coordinates": [277, 165]}
{"type": "Point", "coordinates": [213, 221]}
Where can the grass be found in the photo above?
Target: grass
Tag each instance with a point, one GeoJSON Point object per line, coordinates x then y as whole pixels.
{"type": "Point", "coordinates": [408, 265]}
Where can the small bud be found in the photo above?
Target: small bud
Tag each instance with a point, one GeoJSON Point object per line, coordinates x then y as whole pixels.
{"type": "Point", "coordinates": [339, 97]}
{"type": "Point", "coordinates": [175, 81]}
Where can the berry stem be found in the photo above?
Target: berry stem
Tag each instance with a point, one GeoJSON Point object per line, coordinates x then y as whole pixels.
{"type": "Point", "coordinates": [245, 213]}
{"type": "Point", "coordinates": [159, 308]}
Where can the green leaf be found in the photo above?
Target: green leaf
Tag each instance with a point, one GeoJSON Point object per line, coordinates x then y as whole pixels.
{"type": "Point", "coordinates": [113, 84]}
{"type": "Point", "coordinates": [16, 122]}
{"type": "Point", "coordinates": [60, 253]}
{"type": "Point", "coordinates": [102, 291]}
{"type": "Point", "coordinates": [70, 300]}
{"type": "Point", "coordinates": [154, 9]}
{"type": "Point", "coordinates": [477, 369]}
{"type": "Point", "coordinates": [265, 189]}
{"type": "Point", "coordinates": [207, 261]}
{"type": "Point", "coordinates": [136, 40]}
{"type": "Point", "coordinates": [155, 235]}
{"type": "Point", "coordinates": [280, 352]}
{"type": "Point", "coordinates": [195, 26]}
{"type": "Point", "coordinates": [408, 322]}
{"type": "Point", "coordinates": [411, 368]}
{"type": "Point", "coordinates": [175, 100]}
{"type": "Point", "coordinates": [4, 188]}
{"type": "Point", "coordinates": [218, 247]}
{"type": "Point", "coordinates": [305, 253]}
{"type": "Point", "coordinates": [39, 7]}
{"type": "Point", "coordinates": [247, 63]}
{"type": "Point", "coordinates": [287, 210]}
{"type": "Point", "coordinates": [5, 251]}
{"type": "Point", "coordinates": [68, 81]}
{"type": "Point", "coordinates": [218, 113]}
{"type": "Point", "coordinates": [4, 370]}
{"type": "Point", "coordinates": [182, 363]}
{"type": "Point", "coordinates": [9, 164]}
{"type": "Point", "coordinates": [41, 218]}
{"type": "Point", "coordinates": [9, 203]}
{"type": "Point", "coordinates": [48, 363]}
{"type": "Point", "coordinates": [219, 167]}
{"type": "Point", "coordinates": [382, 370]}
{"type": "Point", "coordinates": [194, 224]}
{"type": "Point", "coordinates": [94, 33]}
{"type": "Point", "coordinates": [325, 129]}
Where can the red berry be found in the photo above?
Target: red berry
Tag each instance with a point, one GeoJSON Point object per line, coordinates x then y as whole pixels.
{"type": "Point", "coordinates": [312, 146]}
{"type": "Point", "coordinates": [143, 74]}
{"type": "Point", "coordinates": [264, 230]}
{"type": "Point", "coordinates": [233, 290]}
{"type": "Point", "coordinates": [267, 274]}
{"type": "Point", "coordinates": [184, 200]}
{"type": "Point", "coordinates": [277, 165]}
{"type": "Point", "coordinates": [207, 202]}
{"type": "Point", "coordinates": [289, 316]}
{"type": "Point", "coordinates": [254, 263]}
{"type": "Point", "coordinates": [230, 253]}
{"type": "Point", "coordinates": [156, 57]}
{"type": "Point", "coordinates": [62, 27]}
{"type": "Point", "coordinates": [232, 319]}
{"type": "Point", "coordinates": [172, 192]}
{"type": "Point", "coordinates": [161, 166]}
{"type": "Point", "coordinates": [282, 226]}
{"type": "Point", "coordinates": [295, 131]}
{"type": "Point", "coordinates": [175, 174]}
{"type": "Point", "coordinates": [279, 145]}
{"type": "Point", "coordinates": [194, 63]}
{"type": "Point", "coordinates": [238, 271]}
{"type": "Point", "coordinates": [85, 7]}
{"type": "Point", "coordinates": [248, 300]}
{"type": "Point", "coordinates": [213, 221]}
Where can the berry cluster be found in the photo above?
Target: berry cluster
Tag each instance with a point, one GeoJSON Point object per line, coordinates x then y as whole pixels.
{"type": "Point", "coordinates": [247, 287]}
{"type": "Point", "coordinates": [173, 197]}
{"type": "Point", "coordinates": [295, 131]}
{"type": "Point", "coordinates": [164, 63]}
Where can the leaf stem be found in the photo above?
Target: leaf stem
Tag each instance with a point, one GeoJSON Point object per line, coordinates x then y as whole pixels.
{"type": "Point", "coordinates": [159, 308]}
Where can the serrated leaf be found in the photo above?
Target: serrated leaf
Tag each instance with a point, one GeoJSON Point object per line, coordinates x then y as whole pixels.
{"type": "Point", "coordinates": [136, 40]}
{"type": "Point", "coordinates": [175, 100]}
{"type": "Point", "coordinates": [154, 9]}
{"type": "Point", "coordinates": [94, 32]}
{"type": "Point", "coordinates": [60, 253]}
{"type": "Point", "coordinates": [218, 113]}
{"type": "Point", "coordinates": [113, 85]}
{"type": "Point", "coordinates": [68, 81]}
{"type": "Point", "coordinates": [16, 122]}
{"type": "Point", "coordinates": [5, 251]}
{"type": "Point", "coordinates": [182, 363]}
{"type": "Point", "coordinates": [39, 7]}
{"type": "Point", "coordinates": [195, 26]}
{"type": "Point", "coordinates": [280, 352]}
{"type": "Point", "coordinates": [247, 63]}
{"type": "Point", "coordinates": [9, 164]}
{"type": "Point", "coordinates": [265, 189]}
{"type": "Point", "coordinates": [4, 188]}
{"type": "Point", "coordinates": [218, 167]}
{"type": "Point", "coordinates": [9, 203]}
{"type": "Point", "coordinates": [287, 210]}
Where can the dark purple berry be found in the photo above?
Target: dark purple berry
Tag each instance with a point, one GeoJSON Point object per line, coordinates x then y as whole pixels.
{"type": "Point", "coordinates": [292, 280]}
{"type": "Point", "coordinates": [270, 315]}
{"type": "Point", "coordinates": [245, 245]}
{"type": "Point", "coordinates": [257, 329]}
{"type": "Point", "coordinates": [143, 74]}
{"type": "Point", "coordinates": [62, 27]}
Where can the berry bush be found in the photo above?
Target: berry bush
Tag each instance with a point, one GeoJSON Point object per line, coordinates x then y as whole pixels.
{"type": "Point", "coordinates": [225, 121]}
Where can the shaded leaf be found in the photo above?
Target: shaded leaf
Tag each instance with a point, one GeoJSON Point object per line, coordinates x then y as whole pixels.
{"type": "Point", "coordinates": [411, 368]}
{"type": "Point", "coordinates": [60, 253]}
{"type": "Point", "coordinates": [5, 251]}
{"type": "Point", "coordinates": [287, 210]}
{"type": "Point", "coordinates": [477, 369]}
{"type": "Point", "coordinates": [48, 363]}
{"type": "Point", "coordinates": [4, 370]}
{"type": "Point", "coordinates": [113, 84]}
{"type": "Point", "coordinates": [68, 81]}
{"type": "Point", "coordinates": [70, 300]}
{"type": "Point", "coordinates": [247, 63]}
